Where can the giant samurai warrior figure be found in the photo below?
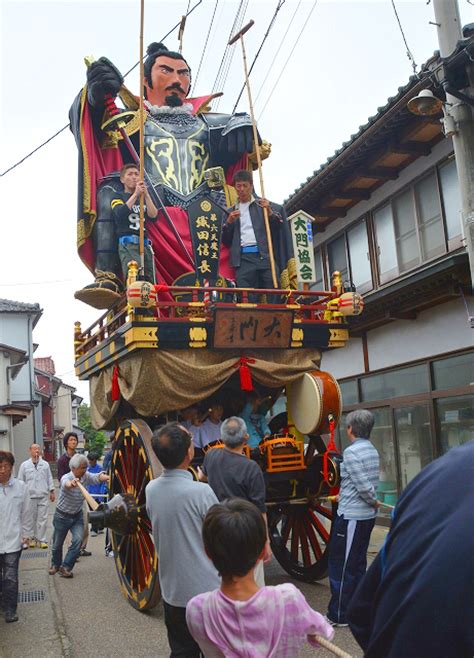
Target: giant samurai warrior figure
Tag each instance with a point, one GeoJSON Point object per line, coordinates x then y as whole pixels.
{"type": "Point", "coordinates": [189, 153]}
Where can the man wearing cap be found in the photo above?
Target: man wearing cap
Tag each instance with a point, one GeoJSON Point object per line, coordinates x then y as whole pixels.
{"type": "Point", "coordinates": [36, 474]}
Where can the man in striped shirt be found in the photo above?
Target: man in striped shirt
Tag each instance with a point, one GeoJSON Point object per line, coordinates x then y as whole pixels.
{"type": "Point", "coordinates": [68, 515]}
{"type": "Point", "coordinates": [355, 516]}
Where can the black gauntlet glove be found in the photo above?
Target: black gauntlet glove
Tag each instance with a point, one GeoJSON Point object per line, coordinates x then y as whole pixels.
{"type": "Point", "coordinates": [237, 137]}
{"type": "Point", "coordinates": [102, 78]}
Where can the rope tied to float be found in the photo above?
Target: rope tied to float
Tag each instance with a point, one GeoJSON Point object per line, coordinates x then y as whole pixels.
{"type": "Point", "coordinates": [332, 647]}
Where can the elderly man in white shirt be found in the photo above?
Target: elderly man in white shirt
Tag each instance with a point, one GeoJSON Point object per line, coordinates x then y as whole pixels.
{"type": "Point", "coordinates": [36, 474]}
{"type": "Point", "coordinates": [13, 533]}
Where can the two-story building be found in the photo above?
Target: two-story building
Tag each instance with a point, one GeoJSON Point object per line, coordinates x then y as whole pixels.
{"type": "Point", "coordinates": [20, 412]}
{"type": "Point", "coordinates": [386, 209]}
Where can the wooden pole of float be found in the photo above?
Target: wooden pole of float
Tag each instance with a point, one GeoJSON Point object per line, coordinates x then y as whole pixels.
{"type": "Point", "coordinates": [142, 142]}
{"type": "Point", "coordinates": [93, 504]}
{"type": "Point", "coordinates": [236, 37]}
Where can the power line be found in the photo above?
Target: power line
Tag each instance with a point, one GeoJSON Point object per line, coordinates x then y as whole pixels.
{"type": "Point", "coordinates": [34, 283]}
{"type": "Point", "coordinates": [409, 53]}
{"type": "Point", "coordinates": [289, 57]}
{"type": "Point", "coordinates": [205, 45]}
{"type": "Point", "coordinates": [280, 45]}
{"type": "Point", "coordinates": [228, 56]}
{"type": "Point", "coordinates": [3, 173]}
{"type": "Point", "coordinates": [280, 4]}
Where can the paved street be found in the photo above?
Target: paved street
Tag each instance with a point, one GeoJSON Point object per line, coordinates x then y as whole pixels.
{"type": "Point", "coordinates": [88, 616]}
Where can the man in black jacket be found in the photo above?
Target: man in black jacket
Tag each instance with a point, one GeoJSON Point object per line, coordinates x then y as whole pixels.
{"type": "Point", "coordinates": [244, 232]}
{"type": "Point", "coordinates": [416, 598]}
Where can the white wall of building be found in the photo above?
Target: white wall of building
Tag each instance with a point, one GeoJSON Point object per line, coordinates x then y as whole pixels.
{"type": "Point", "coordinates": [438, 330]}
{"type": "Point", "coordinates": [346, 361]}
{"type": "Point", "coordinates": [16, 330]}
{"type": "Point", "coordinates": [441, 329]}
{"type": "Point", "coordinates": [63, 407]}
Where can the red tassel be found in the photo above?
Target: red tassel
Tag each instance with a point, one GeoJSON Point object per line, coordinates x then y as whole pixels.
{"type": "Point", "coordinates": [331, 448]}
{"type": "Point", "coordinates": [115, 384]}
{"type": "Point", "coordinates": [246, 383]}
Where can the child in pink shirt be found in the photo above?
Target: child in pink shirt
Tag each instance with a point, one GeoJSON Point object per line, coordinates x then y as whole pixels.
{"type": "Point", "coordinates": [241, 620]}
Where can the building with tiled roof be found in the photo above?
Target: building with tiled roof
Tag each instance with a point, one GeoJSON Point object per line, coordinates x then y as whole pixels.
{"type": "Point", "coordinates": [386, 214]}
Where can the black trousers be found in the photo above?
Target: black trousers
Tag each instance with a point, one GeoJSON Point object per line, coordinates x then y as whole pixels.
{"type": "Point", "coordinates": [347, 562]}
{"type": "Point", "coordinates": [255, 272]}
{"type": "Point", "coordinates": [182, 643]}
{"type": "Point", "coordinates": [9, 580]}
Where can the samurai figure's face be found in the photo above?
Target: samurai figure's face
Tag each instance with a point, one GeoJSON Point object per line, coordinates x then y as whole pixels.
{"type": "Point", "coordinates": [170, 80]}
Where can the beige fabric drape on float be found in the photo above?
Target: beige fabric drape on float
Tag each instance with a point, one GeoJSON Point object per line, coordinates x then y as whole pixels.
{"type": "Point", "coordinates": [156, 382]}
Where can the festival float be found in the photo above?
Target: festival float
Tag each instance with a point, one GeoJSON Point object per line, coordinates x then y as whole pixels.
{"type": "Point", "coordinates": [191, 335]}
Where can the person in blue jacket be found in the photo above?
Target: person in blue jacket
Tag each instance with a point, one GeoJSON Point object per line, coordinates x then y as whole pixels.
{"type": "Point", "coordinates": [416, 599]}
{"type": "Point", "coordinates": [257, 425]}
{"type": "Point", "coordinates": [97, 491]}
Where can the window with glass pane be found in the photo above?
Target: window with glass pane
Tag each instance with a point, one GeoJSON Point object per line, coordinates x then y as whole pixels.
{"type": "Point", "coordinates": [358, 244]}
{"type": "Point", "coordinates": [415, 444]}
{"type": "Point", "coordinates": [337, 257]}
{"type": "Point", "coordinates": [430, 222]}
{"type": "Point", "coordinates": [318, 264]}
{"type": "Point", "coordinates": [448, 177]}
{"type": "Point", "coordinates": [455, 371]}
{"type": "Point", "coordinates": [386, 247]}
{"type": "Point", "coordinates": [349, 392]}
{"type": "Point", "coordinates": [395, 383]}
{"type": "Point", "coordinates": [405, 231]}
{"type": "Point", "coordinates": [383, 440]}
{"type": "Point", "coordinates": [342, 440]}
{"type": "Point", "coordinates": [455, 417]}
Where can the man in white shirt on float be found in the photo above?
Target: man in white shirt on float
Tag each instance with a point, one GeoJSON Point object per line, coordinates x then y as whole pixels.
{"type": "Point", "coordinates": [13, 533]}
{"type": "Point", "coordinates": [36, 474]}
{"type": "Point", "coordinates": [245, 233]}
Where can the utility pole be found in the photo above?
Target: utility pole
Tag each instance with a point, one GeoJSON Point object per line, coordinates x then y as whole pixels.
{"type": "Point", "coordinates": [449, 29]}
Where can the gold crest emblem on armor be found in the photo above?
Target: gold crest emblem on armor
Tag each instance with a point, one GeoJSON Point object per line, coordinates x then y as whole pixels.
{"type": "Point", "coordinates": [205, 206]}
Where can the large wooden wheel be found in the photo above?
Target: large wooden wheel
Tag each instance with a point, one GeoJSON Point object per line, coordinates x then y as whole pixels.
{"type": "Point", "coordinates": [299, 537]}
{"type": "Point", "coordinates": [133, 466]}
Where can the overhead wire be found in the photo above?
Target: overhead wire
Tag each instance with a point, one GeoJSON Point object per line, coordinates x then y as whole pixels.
{"type": "Point", "coordinates": [280, 45]}
{"type": "Point", "coordinates": [205, 45]}
{"type": "Point", "coordinates": [409, 53]}
{"type": "Point", "coordinates": [280, 4]}
{"type": "Point", "coordinates": [289, 57]}
{"type": "Point", "coordinates": [28, 155]}
{"type": "Point", "coordinates": [228, 55]}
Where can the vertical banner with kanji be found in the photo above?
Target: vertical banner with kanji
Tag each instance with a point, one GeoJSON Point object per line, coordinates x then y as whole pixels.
{"type": "Point", "coordinates": [302, 233]}
{"type": "Point", "coordinates": [205, 223]}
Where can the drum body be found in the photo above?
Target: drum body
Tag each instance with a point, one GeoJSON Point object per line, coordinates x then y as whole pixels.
{"type": "Point", "coordinates": [312, 399]}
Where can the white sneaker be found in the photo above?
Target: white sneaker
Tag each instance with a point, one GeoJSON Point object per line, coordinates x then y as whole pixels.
{"type": "Point", "coordinates": [335, 624]}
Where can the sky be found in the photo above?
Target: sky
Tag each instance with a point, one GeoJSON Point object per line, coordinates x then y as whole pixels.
{"type": "Point", "coordinates": [324, 69]}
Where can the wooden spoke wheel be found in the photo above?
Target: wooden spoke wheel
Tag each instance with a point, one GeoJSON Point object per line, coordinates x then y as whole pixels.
{"type": "Point", "coordinates": [133, 466]}
{"type": "Point", "coordinates": [299, 537]}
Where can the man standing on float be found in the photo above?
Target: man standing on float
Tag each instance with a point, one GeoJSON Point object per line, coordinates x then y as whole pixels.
{"type": "Point", "coordinates": [181, 143]}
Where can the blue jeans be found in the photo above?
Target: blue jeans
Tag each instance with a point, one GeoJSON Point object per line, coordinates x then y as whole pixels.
{"type": "Point", "coordinates": [347, 562]}
{"type": "Point", "coordinates": [9, 580]}
{"type": "Point", "coordinates": [62, 525]}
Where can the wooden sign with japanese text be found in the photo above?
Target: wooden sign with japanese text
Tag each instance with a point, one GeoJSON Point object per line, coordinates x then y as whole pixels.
{"type": "Point", "coordinates": [205, 223]}
{"type": "Point", "coordinates": [302, 233]}
{"type": "Point", "coordinates": [249, 328]}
